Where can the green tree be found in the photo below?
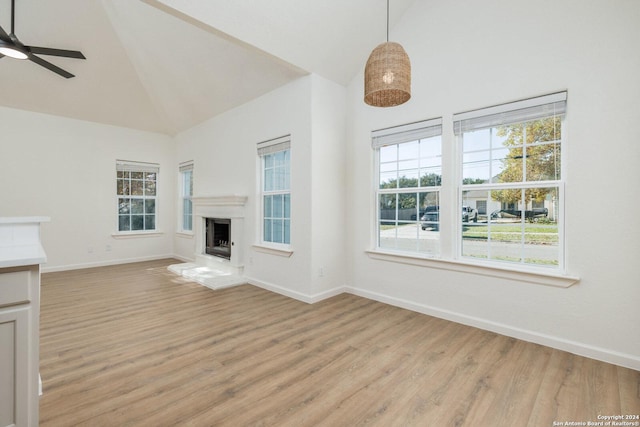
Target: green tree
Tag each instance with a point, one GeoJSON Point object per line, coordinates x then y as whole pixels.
{"type": "Point", "coordinates": [536, 145]}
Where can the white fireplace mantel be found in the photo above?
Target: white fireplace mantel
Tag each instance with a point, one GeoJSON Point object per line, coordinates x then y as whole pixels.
{"type": "Point", "coordinates": [226, 206]}
{"type": "Point", "coordinates": [230, 200]}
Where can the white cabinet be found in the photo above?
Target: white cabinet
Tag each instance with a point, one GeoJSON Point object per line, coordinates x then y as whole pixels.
{"type": "Point", "coordinates": [20, 257]}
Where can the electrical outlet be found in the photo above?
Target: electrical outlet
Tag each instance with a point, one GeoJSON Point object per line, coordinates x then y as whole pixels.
{"type": "Point", "coordinates": [107, 248]}
{"type": "Point", "coordinates": [90, 249]}
{"type": "Point", "coordinates": [321, 272]}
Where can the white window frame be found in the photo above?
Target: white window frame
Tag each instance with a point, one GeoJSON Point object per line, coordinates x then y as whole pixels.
{"type": "Point", "coordinates": [130, 167]}
{"type": "Point", "coordinates": [553, 105]}
{"type": "Point", "coordinates": [184, 169]}
{"type": "Point", "coordinates": [450, 223]}
{"type": "Point", "coordinates": [264, 149]}
{"type": "Point", "coordinates": [395, 137]}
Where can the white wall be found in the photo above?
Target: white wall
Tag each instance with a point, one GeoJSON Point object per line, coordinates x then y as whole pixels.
{"type": "Point", "coordinates": [467, 55]}
{"type": "Point", "coordinates": [65, 169]}
{"type": "Point", "coordinates": [328, 177]}
{"type": "Point", "coordinates": [225, 163]}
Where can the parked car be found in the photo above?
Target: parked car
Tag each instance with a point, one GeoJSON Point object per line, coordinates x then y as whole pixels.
{"type": "Point", "coordinates": [469, 214]}
{"type": "Point", "coordinates": [431, 217]}
{"type": "Point", "coordinates": [530, 215]}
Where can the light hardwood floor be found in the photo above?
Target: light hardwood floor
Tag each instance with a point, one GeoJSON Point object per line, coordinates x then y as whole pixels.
{"type": "Point", "coordinates": [134, 345]}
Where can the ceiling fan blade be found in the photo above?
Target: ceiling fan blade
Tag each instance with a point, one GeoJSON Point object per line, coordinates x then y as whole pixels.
{"type": "Point", "coordinates": [4, 36]}
{"type": "Point", "coordinates": [50, 66]}
{"type": "Point", "coordinates": [56, 52]}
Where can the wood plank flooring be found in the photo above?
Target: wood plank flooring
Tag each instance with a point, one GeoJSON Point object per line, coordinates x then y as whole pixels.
{"type": "Point", "coordinates": [134, 345]}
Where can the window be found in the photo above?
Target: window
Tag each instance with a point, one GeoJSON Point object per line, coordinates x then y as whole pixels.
{"type": "Point", "coordinates": [409, 176]}
{"type": "Point", "coordinates": [186, 192]}
{"type": "Point", "coordinates": [136, 195]}
{"type": "Point", "coordinates": [275, 157]}
{"type": "Point", "coordinates": [512, 183]}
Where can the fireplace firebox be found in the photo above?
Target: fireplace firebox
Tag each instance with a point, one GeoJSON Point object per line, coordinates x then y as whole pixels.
{"type": "Point", "coordinates": [218, 237]}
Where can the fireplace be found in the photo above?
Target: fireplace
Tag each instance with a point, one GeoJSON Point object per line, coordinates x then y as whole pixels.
{"type": "Point", "coordinates": [218, 229]}
{"type": "Point", "coordinates": [218, 237]}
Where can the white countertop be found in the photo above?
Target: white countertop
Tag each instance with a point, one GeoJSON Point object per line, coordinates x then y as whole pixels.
{"type": "Point", "coordinates": [16, 256]}
{"type": "Point", "coordinates": [20, 241]}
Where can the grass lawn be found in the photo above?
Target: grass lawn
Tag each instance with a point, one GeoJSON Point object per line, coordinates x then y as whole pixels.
{"type": "Point", "coordinates": [533, 233]}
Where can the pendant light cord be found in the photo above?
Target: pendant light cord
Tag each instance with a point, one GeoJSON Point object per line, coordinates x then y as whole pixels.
{"type": "Point", "coordinates": [387, 21]}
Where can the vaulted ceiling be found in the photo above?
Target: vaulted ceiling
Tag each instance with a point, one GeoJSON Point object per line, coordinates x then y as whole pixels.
{"type": "Point", "coordinates": [167, 65]}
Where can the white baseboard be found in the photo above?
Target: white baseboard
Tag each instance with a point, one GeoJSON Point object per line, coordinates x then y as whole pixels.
{"type": "Point", "coordinates": [581, 349]}
{"type": "Point", "coordinates": [54, 269]}
{"type": "Point", "coordinates": [310, 299]}
{"type": "Point", "coordinates": [183, 258]}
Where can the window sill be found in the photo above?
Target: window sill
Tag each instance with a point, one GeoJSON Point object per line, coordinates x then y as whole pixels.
{"type": "Point", "coordinates": [540, 278]}
{"type": "Point", "coordinates": [273, 250]}
{"type": "Point", "coordinates": [136, 234]}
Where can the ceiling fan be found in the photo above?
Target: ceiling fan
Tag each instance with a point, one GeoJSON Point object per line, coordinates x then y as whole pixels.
{"type": "Point", "coordinates": [12, 47]}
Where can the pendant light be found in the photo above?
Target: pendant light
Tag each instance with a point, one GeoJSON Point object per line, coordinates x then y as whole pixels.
{"type": "Point", "coordinates": [387, 75]}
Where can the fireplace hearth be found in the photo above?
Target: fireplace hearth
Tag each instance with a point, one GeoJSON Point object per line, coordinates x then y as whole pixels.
{"type": "Point", "coordinates": [218, 237]}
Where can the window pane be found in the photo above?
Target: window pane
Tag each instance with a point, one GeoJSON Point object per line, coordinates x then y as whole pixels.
{"type": "Point", "coordinates": [287, 231]}
{"type": "Point", "coordinates": [476, 140]}
{"type": "Point", "coordinates": [431, 177]}
{"type": "Point", "coordinates": [543, 162]}
{"type": "Point", "coordinates": [431, 147]}
{"type": "Point", "coordinates": [187, 222]}
{"type": "Point", "coordinates": [389, 180]}
{"type": "Point", "coordinates": [507, 165]}
{"type": "Point", "coordinates": [388, 207]}
{"type": "Point", "coordinates": [137, 188]}
{"type": "Point", "coordinates": [123, 187]}
{"type": "Point", "coordinates": [150, 188]}
{"type": "Point", "coordinates": [137, 206]}
{"type": "Point", "coordinates": [474, 206]}
{"type": "Point", "coordinates": [509, 136]}
{"type": "Point", "coordinates": [389, 153]}
{"type": "Point", "coordinates": [408, 150]}
{"type": "Point", "coordinates": [278, 208]}
{"type": "Point", "coordinates": [408, 179]}
{"type": "Point", "coordinates": [287, 206]}
{"type": "Point", "coordinates": [150, 206]}
{"type": "Point", "coordinates": [267, 230]}
{"type": "Point", "coordinates": [281, 178]}
{"type": "Point", "coordinates": [278, 231]}
{"type": "Point", "coordinates": [543, 130]}
{"type": "Point", "coordinates": [137, 222]}
{"type": "Point", "coordinates": [388, 235]}
{"type": "Point", "coordinates": [408, 207]}
{"type": "Point", "coordinates": [137, 175]}
{"type": "Point", "coordinates": [268, 161]}
{"type": "Point", "coordinates": [124, 206]}
{"type": "Point", "coordinates": [279, 158]}
{"type": "Point", "coordinates": [429, 214]}
{"type": "Point", "coordinates": [475, 168]}
{"type": "Point", "coordinates": [267, 202]}
{"type": "Point", "coordinates": [408, 166]}
{"type": "Point", "coordinates": [523, 230]}
{"type": "Point", "coordinates": [268, 180]}
{"type": "Point", "coordinates": [124, 223]}
{"type": "Point", "coordinates": [149, 222]}
{"type": "Point", "coordinates": [186, 211]}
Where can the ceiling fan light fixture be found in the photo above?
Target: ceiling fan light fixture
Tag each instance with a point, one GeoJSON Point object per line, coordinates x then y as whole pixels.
{"type": "Point", "coordinates": [12, 51]}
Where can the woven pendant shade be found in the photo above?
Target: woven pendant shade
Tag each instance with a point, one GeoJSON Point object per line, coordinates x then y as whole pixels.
{"type": "Point", "coordinates": [387, 76]}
